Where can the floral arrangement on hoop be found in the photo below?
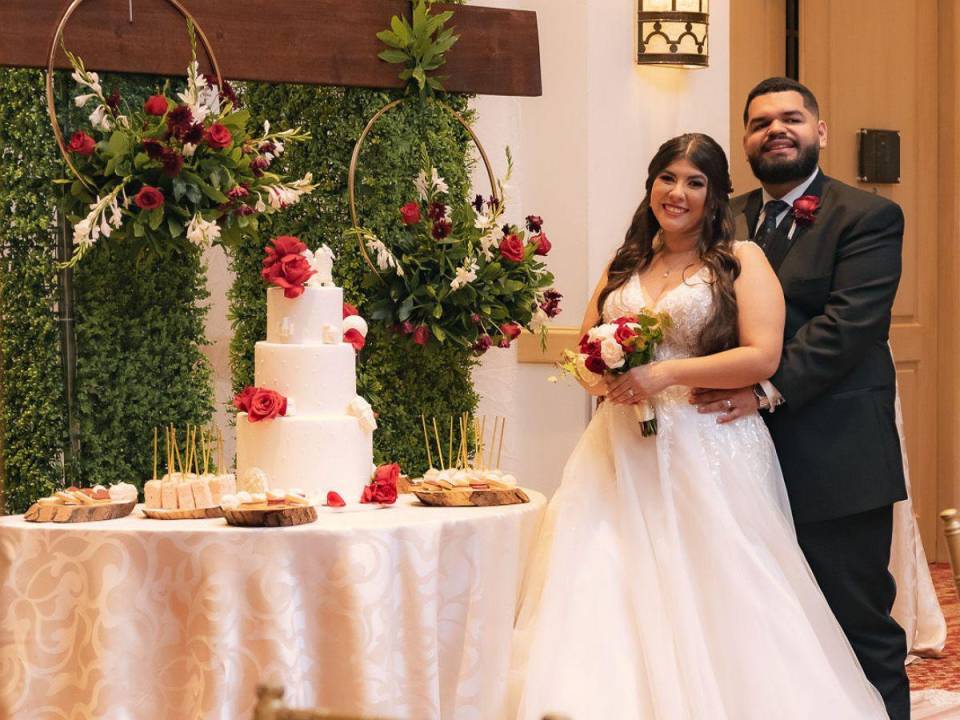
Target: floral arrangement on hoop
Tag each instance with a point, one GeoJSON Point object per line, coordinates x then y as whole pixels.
{"type": "Point", "coordinates": [454, 272]}
{"type": "Point", "coordinates": [190, 168]}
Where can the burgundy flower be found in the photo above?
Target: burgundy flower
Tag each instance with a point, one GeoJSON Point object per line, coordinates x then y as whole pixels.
{"type": "Point", "coordinates": [410, 213]}
{"type": "Point", "coordinates": [507, 229]}
{"type": "Point", "coordinates": [421, 335]}
{"type": "Point", "coordinates": [595, 364]}
{"type": "Point", "coordinates": [226, 92]}
{"type": "Point", "coordinates": [258, 165]}
{"type": "Point", "coordinates": [493, 203]}
{"type": "Point", "coordinates": [153, 148]}
{"type": "Point", "coordinates": [113, 102]}
{"type": "Point", "coordinates": [551, 303]}
{"type": "Point", "coordinates": [156, 105]}
{"type": "Point", "coordinates": [172, 162]}
{"type": "Point", "coordinates": [193, 135]}
{"type": "Point", "coordinates": [179, 119]}
{"type": "Point", "coordinates": [534, 223]}
{"type": "Point", "coordinates": [149, 198]}
{"type": "Point", "coordinates": [441, 229]}
{"type": "Point", "coordinates": [82, 144]}
{"type": "Point", "coordinates": [542, 243]}
{"type": "Point", "coordinates": [478, 203]}
{"type": "Point", "coordinates": [475, 318]}
{"type": "Point", "coordinates": [244, 210]}
{"type": "Point", "coordinates": [436, 211]}
{"type": "Point", "coordinates": [237, 192]}
{"type": "Point", "coordinates": [483, 343]}
{"type": "Point", "coordinates": [267, 147]}
{"type": "Point", "coordinates": [407, 327]}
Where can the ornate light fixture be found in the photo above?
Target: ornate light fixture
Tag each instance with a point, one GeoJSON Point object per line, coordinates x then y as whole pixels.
{"type": "Point", "coordinates": [673, 32]}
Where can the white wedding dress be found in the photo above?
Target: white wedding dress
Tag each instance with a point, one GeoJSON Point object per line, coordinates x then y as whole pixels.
{"type": "Point", "coordinates": [667, 583]}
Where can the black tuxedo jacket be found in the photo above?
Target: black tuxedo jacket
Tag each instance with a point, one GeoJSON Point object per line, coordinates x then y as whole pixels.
{"type": "Point", "coordinates": [836, 435]}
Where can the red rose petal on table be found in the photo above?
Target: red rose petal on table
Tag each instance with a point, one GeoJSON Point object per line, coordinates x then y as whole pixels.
{"type": "Point", "coordinates": [355, 338]}
{"type": "Point", "coordinates": [349, 310]}
{"type": "Point", "coordinates": [334, 499]}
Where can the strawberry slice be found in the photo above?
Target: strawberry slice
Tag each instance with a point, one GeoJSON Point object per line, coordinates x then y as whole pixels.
{"type": "Point", "coordinates": [334, 499]}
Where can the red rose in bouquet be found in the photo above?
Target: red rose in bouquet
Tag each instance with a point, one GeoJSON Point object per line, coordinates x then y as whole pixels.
{"type": "Point", "coordinates": [383, 488]}
{"type": "Point", "coordinates": [82, 144]}
{"type": "Point", "coordinates": [266, 405]}
{"type": "Point", "coordinates": [242, 400]}
{"type": "Point", "coordinates": [149, 198]}
{"type": "Point", "coordinates": [511, 248]}
{"type": "Point", "coordinates": [543, 244]}
{"type": "Point", "coordinates": [156, 105]}
{"type": "Point", "coordinates": [410, 213]}
{"type": "Point", "coordinates": [510, 331]}
{"type": "Point", "coordinates": [804, 209]}
{"type": "Point", "coordinates": [218, 136]}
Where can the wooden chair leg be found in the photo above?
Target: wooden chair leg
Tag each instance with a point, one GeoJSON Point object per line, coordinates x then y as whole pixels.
{"type": "Point", "coordinates": [951, 531]}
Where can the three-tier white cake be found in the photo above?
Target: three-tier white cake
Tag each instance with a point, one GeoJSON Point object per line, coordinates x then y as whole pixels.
{"type": "Point", "coordinates": [325, 441]}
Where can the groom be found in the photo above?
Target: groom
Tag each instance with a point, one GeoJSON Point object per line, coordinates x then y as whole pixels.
{"type": "Point", "coordinates": [830, 404]}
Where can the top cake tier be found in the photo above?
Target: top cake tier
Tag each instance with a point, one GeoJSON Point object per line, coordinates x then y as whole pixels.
{"type": "Point", "coordinates": [316, 317]}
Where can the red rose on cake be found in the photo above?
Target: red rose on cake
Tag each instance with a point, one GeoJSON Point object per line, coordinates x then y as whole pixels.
{"type": "Point", "coordinates": [260, 403]}
{"type": "Point", "coordinates": [383, 488]}
{"type": "Point", "coordinates": [285, 266]}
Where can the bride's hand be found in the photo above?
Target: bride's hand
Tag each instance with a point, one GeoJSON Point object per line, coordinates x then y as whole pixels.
{"type": "Point", "coordinates": [640, 383]}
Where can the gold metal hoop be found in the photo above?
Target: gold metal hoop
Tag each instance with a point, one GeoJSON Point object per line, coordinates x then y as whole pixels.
{"type": "Point", "coordinates": [51, 109]}
{"type": "Point", "coordinates": [351, 186]}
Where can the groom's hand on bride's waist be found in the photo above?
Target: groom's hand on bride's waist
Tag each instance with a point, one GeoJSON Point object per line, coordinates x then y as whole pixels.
{"type": "Point", "coordinates": [730, 404]}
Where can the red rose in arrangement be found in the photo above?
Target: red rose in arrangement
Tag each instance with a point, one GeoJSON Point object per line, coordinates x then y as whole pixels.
{"type": "Point", "coordinates": [156, 105]}
{"type": "Point", "coordinates": [383, 487]}
{"type": "Point", "coordinates": [218, 136]}
{"type": "Point", "coordinates": [355, 338]}
{"type": "Point", "coordinates": [624, 333]}
{"type": "Point", "coordinates": [410, 213]}
{"type": "Point", "coordinates": [334, 499]}
{"type": "Point", "coordinates": [149, 198]}
{"type": "Point", "coordinates": [804, 209]}
{"type": "Point", "coordinates": [81, 144]}
{"type": "Point", "coordinates": [511, 248]}
{"type": "Point", "coordinates": [483, 343]}
{"type": "Point", "coordinates": [542, 243]}
{"type": "Point", "coordinates": [285, 267]}
{"type": "Point", "coordinates": [242, 400]}
{"type": "Point", "coordinates": [421, 335]}
{"type": "Point", "coordinates": [282, 246]}
{"type": "Point", "coordinates": [266, 405]}
{"type": "Point", "coordinates": [349, 310]}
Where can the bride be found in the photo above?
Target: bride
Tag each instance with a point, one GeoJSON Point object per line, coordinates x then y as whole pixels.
{"type": "Point", "coordinates": [668, 583]}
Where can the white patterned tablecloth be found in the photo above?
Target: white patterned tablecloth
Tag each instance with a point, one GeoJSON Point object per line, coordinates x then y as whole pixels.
{"type": "Point", "coordinates": [400, 612]}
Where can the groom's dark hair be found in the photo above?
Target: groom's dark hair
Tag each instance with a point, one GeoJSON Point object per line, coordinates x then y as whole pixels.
{"type": "Point", "coordinates": [782, 84]}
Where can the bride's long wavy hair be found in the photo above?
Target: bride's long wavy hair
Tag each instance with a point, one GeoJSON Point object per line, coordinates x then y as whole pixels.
{"type": "Point", "coordinates": [716, 237]}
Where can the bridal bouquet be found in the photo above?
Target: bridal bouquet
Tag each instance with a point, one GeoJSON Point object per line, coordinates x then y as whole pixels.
{"type": "Point", "coordinates": [617, 348]}
{"type": "Point", "coordinates": [187, 168]}
{"type": "Point", "coordinates": [455, 272]}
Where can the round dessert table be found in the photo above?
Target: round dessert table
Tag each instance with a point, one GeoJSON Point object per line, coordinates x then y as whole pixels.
{"type": "Point", "coordinates": [395, 612]}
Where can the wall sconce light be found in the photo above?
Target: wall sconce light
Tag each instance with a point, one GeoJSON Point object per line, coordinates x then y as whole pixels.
{"type": "Point", "coordinates": [673, 32]}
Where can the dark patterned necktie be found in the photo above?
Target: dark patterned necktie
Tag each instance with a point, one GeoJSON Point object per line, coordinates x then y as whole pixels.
{"type": "Point", "coordinates": [770, 212]}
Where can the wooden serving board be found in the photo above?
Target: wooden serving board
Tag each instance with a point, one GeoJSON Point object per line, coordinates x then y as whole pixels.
{"type": "Point", "coordinates": [78, 513]}
{"type": "Point", "coordinates": [467, 497]}
{"type": "Point", "coordinates": [167, 514]}
{"type": "Point", "coordinates": [263, 515]}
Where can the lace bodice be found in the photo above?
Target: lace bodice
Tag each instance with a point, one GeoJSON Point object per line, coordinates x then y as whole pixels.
{"type": "Point", "coordinates": [689, 306]}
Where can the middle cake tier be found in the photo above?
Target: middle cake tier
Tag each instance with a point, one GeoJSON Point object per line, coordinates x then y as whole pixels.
{"type": "Point", "coordinates": [317, 379]}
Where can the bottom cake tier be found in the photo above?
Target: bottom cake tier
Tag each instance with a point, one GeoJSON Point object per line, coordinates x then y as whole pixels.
{"type": "Point", "coordinates": [315, 454]}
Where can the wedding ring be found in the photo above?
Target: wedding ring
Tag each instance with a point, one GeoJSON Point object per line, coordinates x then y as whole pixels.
{"type": "Point", "coordinates": [729, 404]}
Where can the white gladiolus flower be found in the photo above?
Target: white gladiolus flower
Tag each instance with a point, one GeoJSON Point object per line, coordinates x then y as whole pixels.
{"type": "Point", "coordinates": [427, 188]}
{"type": "Point", "coordinates": [189, 149]}
{"type": "Point", "coordinates": [539, 320]}
{"type": "Point", "coordinates": [100, 118]}
{"type": "Point", "coordinates": [281, 195]}
{"type": "Point", "coordinates": [385, 258]}
{"type": "Point", "coordinates": [202, 232]}
{"type": "Point", "coordinates": [82, 100]}
{"type": "Point", "coordinates": [466, 273]}
{"type": "Point", "coordinates": [98, 222]}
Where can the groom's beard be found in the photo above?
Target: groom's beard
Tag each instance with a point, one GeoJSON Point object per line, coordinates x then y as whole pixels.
{"type": "Point", "coordinates": [783, 171]}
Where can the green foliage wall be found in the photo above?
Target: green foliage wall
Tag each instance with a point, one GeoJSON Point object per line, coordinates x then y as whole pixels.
{"type": "Point", "coordinates": [139, 322]}
{"type": "Point", "coordinates": [401, 380]}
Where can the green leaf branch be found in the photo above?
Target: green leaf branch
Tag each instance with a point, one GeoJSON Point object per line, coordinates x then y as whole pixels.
{"type": "Point", "coordinates": [420, 47]}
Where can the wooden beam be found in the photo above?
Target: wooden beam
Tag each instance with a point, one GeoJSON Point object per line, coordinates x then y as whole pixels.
{"type": "Point", "coordinates": [321, 42]}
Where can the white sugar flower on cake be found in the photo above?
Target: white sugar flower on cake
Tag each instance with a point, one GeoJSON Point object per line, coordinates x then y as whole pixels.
{"type": "Point", "coordinates": [321, 262]}
{"type": "Point", "coordinates": [361, 410]}
{"type": "Point", "coordinates": [253, 480]}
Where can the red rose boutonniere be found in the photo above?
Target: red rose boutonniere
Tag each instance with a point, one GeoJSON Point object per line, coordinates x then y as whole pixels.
{"type": "Point", "coordinates": [805, 208]}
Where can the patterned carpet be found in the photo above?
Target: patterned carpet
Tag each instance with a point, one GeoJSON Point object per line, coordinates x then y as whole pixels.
{"type": "Point", "coordinates": [943, 672]}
